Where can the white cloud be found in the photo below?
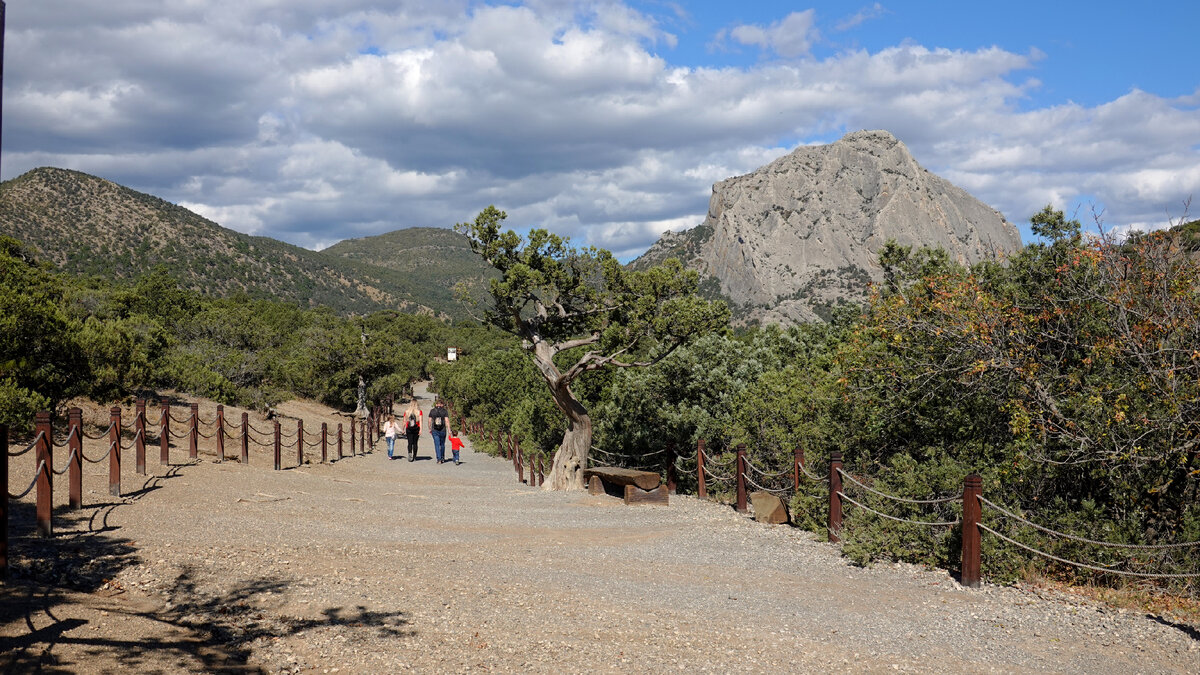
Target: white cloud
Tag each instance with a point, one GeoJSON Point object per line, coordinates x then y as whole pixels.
{"type": "Point", "coordinates": [789, 37]}
{"type": "Point", "coordinates": [861, 16]}
{"type": "Point", "coordinates": [311, 121]}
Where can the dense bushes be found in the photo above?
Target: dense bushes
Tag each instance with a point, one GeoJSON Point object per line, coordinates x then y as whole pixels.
{"type": "Point", "coordinates": [62, 337]}
{"type": "Point", "coordinates": [1067, 376]}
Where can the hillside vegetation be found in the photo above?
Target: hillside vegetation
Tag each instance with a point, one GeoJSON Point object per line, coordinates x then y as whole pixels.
{"type": "Point", "coordinates": [86, 226]}
{"type": "Point", "coordinates": [1068, 377]}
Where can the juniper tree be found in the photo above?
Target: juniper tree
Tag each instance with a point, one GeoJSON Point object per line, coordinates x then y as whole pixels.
{"type": "Point", "coordinates": [558, 299]}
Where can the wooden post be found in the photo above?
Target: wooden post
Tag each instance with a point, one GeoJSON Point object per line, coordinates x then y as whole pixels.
{"type": "Point", "coordinates": [220, 433]}
{"type": "Point", "coordinates": [339, 440]}
{"type": "Point", "coordinates": [114, 451]}
{"type": "Point", "coordinates": [741, 478]}
{"type": "Point", "coordinates": [278, 447]}
{"type": "Point", "coordinates": [4, 502]}
{"type": "Point", "coordinates": [43, 457]}
{"type": "Point", "coordinates": [245, 438]}
{"type": "Point", "coordinates": [672, 481]}
{"type": "Point", "coordinates": [797, 467]}
{"type": "Point", "coordinates": [352, 436]}
{"type": "Point", "coordinates": [299, 442]}
{"type": "Point", "coordinates": [519, 464]}
{"type": "Point", "coordinates": [835, 499]}
{"type": "Point", "coordinates": [75, 451]}
{"type": "Point", "coordinates": [701, 490]}
{"type": "Point", "coordinates": [362, 437]}
{"type": "Point", "coordinates": [164, 434]}
{"type": "Point", "coordinates": [194, 433]}
{"type": "Point", "coordinates": [541, 472]}
{"type": "Point", "coordinates": [139, 437]}
{"type": "Point", "coordinates": [972, 508]}
{"type": "Point", "coordinates": [324, 442]}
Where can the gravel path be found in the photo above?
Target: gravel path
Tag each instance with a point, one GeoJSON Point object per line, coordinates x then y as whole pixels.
{"type": "Point", "coordinates": [371, 566]}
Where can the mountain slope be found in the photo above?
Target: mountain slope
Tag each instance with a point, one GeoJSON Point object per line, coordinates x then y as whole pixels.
{"type": "Point", "coordinates": [438, 257]}
{"type": "Point", "coordinates": [787, 241]}
{"type": "Point", "coordinates": [90, 226]}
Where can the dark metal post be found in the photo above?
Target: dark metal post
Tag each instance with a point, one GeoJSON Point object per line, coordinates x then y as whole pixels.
{"type": "Point", "coordinates": [300, 442]}
{"type": "Point", "coordinates": [194, 433]}
{"type": "Point", "coordinates": [278, 447]}
{"type": "Point", "coordinates": [220, 433]}
{"type": "Point", "coordinates": [701, 489]}
{"type": "Point", "coordinates": [43, 459]}
{"type": "Point", "coordinates": [245, 438]}
{"type": "Point", "coordinates": [139, 437]}
{"type": "Point", "coordinates": [835, 498]}
{"type": "Point", "coordinates": [114, 452]}
{"type": "Point", "coordinates": [741, 478]}
{"type": "Point", "coordinates": [972, 510]}
{"type": "Point", "coordinates": [75, 450]}
{"type": "Point", "coordinates": [324, 442]}
{"type": "Point", "coordinates": [164, 434]}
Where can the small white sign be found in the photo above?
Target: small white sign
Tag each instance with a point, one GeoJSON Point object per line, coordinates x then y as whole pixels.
{"type": "Point", "coordinates": [452, 354]}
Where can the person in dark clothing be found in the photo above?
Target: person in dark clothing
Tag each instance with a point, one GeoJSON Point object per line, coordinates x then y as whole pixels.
{"type": "Point", "coordinates": [439, 422]}
{"type": "Point", "coordinates": [411, 424]}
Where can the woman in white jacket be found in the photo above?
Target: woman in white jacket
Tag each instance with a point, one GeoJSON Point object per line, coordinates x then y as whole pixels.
{"type": "Point", "coordinates": [390, 429]}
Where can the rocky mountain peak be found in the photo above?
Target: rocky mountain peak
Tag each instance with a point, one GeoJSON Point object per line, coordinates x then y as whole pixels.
{"type": "Point", "coordinates": [788, 240]}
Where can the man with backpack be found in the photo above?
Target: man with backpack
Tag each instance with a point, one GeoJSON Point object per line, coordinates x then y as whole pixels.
{"type": "Point", "coordinates": [439, 422]}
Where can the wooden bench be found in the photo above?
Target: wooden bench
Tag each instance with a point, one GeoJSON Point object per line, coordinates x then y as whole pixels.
{"type": "Point", "coordinates": [635, 487]}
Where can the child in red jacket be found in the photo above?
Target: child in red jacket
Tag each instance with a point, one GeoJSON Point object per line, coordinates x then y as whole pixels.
{"type": "Point", "coordinates": [455, 445]}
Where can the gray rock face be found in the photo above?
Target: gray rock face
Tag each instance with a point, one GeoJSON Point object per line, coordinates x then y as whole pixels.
{"type": "Point", "coordinates": [804, 231]}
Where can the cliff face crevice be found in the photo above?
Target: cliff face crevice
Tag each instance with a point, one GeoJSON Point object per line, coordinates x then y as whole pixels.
{"type": "Point", "coordinates": [804, 231]}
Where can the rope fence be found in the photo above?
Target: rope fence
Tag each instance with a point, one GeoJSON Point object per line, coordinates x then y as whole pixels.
{"type": "Point", "coordinates": [742, 475]}
{"type": "Point", "coordinates": [118, 440]}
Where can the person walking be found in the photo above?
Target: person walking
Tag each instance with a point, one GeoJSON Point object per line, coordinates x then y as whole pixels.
{"type": "Point", "coordinates": [456, 444]}
{"type": "Point", "coordinates": [390, 429]}
{"type": "Point", "coordinates": [411, 423]}
{"type": "Point", "coordinates": [439, 421]}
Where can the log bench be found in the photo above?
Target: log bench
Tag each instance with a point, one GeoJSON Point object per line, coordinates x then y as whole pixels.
{"type": "Point", "coordinates": [635, 487]}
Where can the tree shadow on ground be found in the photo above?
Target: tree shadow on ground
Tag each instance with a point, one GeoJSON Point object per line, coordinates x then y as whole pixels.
{"type": "Point", "coordinates": [197, 631]}
{"type": "Point", "coordinates": [54, 580]}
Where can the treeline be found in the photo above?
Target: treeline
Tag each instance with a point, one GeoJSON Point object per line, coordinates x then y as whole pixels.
{"type": "Point", "coordinates": [1067, 376]}
{"type": "Point", "coordinates": [63, 337]}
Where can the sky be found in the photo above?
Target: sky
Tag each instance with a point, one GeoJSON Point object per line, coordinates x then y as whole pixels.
{"type": "Point", "coordinates": [608, 121]}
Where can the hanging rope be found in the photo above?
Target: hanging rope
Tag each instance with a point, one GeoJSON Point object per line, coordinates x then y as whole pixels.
{"type": "Point", "coordinates": [66, 466]}
{"type": "Point", "coordinates": [102, 458]}
{"type": "Point", "coordinates": [708, 459]}
{"type": "Point", "coordinates": [762, 473]}
{"type": "Point", "coordinates": [95, 438]}
{"type": "Point", "coordinates": [898, 520]}
{"type": "Point", "coordinates": [813, 477]}
{"type": "Point", "coordinates": [767, 489]}
{"type": "Point", "coordinates": [938, 500]}
{"type": "Point", "coordinates": [38, 472]}
{"type": "Point", "coordinates": [133, 441]}
{"type": "Point", "coordinates": [1144, 575]}
{"type": "Point", "coordinates": [1082, 540]}
{"type": "Point", "coordinates": [32, 445]}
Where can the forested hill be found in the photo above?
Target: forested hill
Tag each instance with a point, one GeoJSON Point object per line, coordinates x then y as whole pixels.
{"type": "Point", "coordinates": [86, 225]}
{"type": "Point", "coordinates": [438, 257]}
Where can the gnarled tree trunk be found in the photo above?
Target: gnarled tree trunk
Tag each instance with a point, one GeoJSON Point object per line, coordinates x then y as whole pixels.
{"type": "Point", "coordinates": [570, 460]}
{"type": "Point", "coordinates": [566, 469]}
